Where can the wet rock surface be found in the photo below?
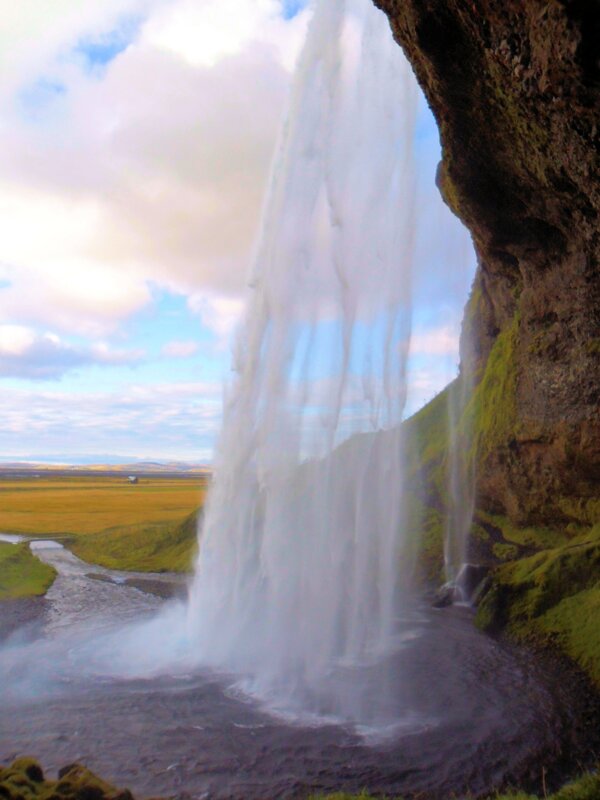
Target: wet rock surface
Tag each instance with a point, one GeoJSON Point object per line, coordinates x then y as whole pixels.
{"type": "Point", "coordinates": [173, 587]}
{"type": "Point", "coordinates": [515, 88]}
{"type": "Point", "coordinates": [449, 709]}
{"type": "Point", "coordinates": [464, 711]}
{"type": "Point", "coordinates": [15, 615]}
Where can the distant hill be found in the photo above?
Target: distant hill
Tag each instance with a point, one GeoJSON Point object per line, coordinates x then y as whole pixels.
{"type": "Point", "coordinates": [157, 468]}
{"type": "Point", "coordinates": [100, 464]}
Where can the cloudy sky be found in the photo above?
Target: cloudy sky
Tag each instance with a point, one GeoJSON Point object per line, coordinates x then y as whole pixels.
{"type": "Point", "coordinates": [135, 142]}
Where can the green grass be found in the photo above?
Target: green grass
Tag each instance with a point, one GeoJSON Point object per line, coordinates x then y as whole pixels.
{"type": "Point", "coordinates": [142, 548]}
{"type": "Point", "coordinates": [491, 414]}
{"type": "Point", "coordinates": [21, 573]}
{"type": "Point", "coordinates": [587, 787]}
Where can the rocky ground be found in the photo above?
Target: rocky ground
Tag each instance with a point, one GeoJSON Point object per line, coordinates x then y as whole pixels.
{"type": "Point", "coordinates": [20, 613]}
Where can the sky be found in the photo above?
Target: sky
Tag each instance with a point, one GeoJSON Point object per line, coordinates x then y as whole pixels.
{"type": "Point", "coordinates": [135, 143]}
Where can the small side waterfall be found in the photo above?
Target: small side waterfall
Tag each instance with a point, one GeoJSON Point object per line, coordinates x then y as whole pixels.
{"type": "Point", "coordinates": [461, 484]}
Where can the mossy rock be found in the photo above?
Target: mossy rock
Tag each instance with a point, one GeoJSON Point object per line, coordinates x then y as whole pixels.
{"type": "Point", "coordinates": [24, 780]}
{"type": "Point", "coordinates": [551, 598]}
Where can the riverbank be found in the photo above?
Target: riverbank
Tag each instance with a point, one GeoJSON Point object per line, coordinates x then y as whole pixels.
{"type": "Point", "coordinates": [24, 779]}
{"type": "Point", "coordinates": [457, 712]}
{"type": "Point", "coordinates": [30, 578]}
{"type": "Point", "coordinates": [467, 712]}
{"type": "Point", "coordinates": [147, 526]}
{"type": "Point", "coordinates": [21, 573]}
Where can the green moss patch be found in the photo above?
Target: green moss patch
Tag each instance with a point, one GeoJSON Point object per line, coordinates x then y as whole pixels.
{"type": "Point", "coordinates": [491, 414]}
{"type": "Point", "coordinates": [573, 625]}
{"type": "Point", "coordinates": [24, 780]}
{"type": "Point", "coordinates": [582, 509]}
{"type": "Point", "coordinates": [21, 573]}
{"type": "Point", "coordinates": [505, 552]}
{"type": "Point", "coordinates": [167, 547]}
{"type": "Point", "coordinates": [552, 597]}
{"type": "Point", "coordinates": [540, 538]}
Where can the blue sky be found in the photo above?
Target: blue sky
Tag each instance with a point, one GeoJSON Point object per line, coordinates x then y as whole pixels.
{"type": "Point", "coordinates": [135, 142]}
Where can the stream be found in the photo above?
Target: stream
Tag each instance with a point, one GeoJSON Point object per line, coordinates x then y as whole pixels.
{"type": "Point", "coordinates": [467, 713]}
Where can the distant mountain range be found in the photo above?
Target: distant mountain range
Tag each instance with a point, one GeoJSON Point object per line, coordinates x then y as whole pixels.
{"type": "Point", "coordinates": [99, 462]}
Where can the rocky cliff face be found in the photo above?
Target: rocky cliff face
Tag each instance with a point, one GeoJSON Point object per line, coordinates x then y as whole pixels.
{"type": "Point", "coordinates": [515, 87]}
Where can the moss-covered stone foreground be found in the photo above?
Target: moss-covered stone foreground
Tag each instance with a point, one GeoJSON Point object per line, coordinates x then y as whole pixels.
{"type": "Point", "coordinates": [25, 780]}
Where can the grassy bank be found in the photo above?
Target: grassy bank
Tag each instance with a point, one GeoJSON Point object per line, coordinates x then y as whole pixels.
{"type": "Point", "coordinates": [21, 573]}
{"type": "Point", "coordinates": [585, 788]}
{"type": "Point", "coordinates": [164, 547]}
{"type": "Point", "coordinates": [148, 527]}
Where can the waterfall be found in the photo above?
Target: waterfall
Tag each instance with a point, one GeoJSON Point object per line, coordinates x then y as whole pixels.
{"type": "Point", "coordinates": [305, 562]}
{"type": "Point", "coordinates": [302, 540]}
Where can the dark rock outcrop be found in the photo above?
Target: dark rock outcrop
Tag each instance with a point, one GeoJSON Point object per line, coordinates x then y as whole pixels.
{"type": "Point", "coordinates": [515, 88]}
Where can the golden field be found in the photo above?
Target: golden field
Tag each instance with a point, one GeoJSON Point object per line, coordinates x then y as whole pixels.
{"type": "Point", "coordinates": [81, 505]}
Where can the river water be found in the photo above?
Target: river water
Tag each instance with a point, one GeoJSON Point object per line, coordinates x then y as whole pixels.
{"type": "Point", "coordinates": [469, 713]}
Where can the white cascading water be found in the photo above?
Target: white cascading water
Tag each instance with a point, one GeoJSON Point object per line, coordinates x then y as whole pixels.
{"type": "Point", "coordinates": [302, 542]}
{"type": "Point", "coordinates": [461, 484]}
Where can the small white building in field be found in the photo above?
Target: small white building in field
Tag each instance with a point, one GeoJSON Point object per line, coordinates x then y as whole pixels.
{"type": "Point", "coordinates": [133, 479]}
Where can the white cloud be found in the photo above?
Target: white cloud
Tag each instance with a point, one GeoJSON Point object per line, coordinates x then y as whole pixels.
{"type": "Point", "coordinates": [220, 313]}
{"type": "Point", "coordinates": [442, 341]}
{"type": "Point", "coordinates": [24, 353]}
{"type": "Point", "coordinates": [152, 171]}
{"type": "Point", "coordinates": [151, 421]}
{"type": "Point", "coordinates": [180, 349]}
{"type": "Point", "coordinates": [102, 353]}
{"type": "Point", "coordinates": [15, 339]}
{"type": "Point", "coordinates": [50, 275]}
{"type": "Point", "coordinates": [205, 32]}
